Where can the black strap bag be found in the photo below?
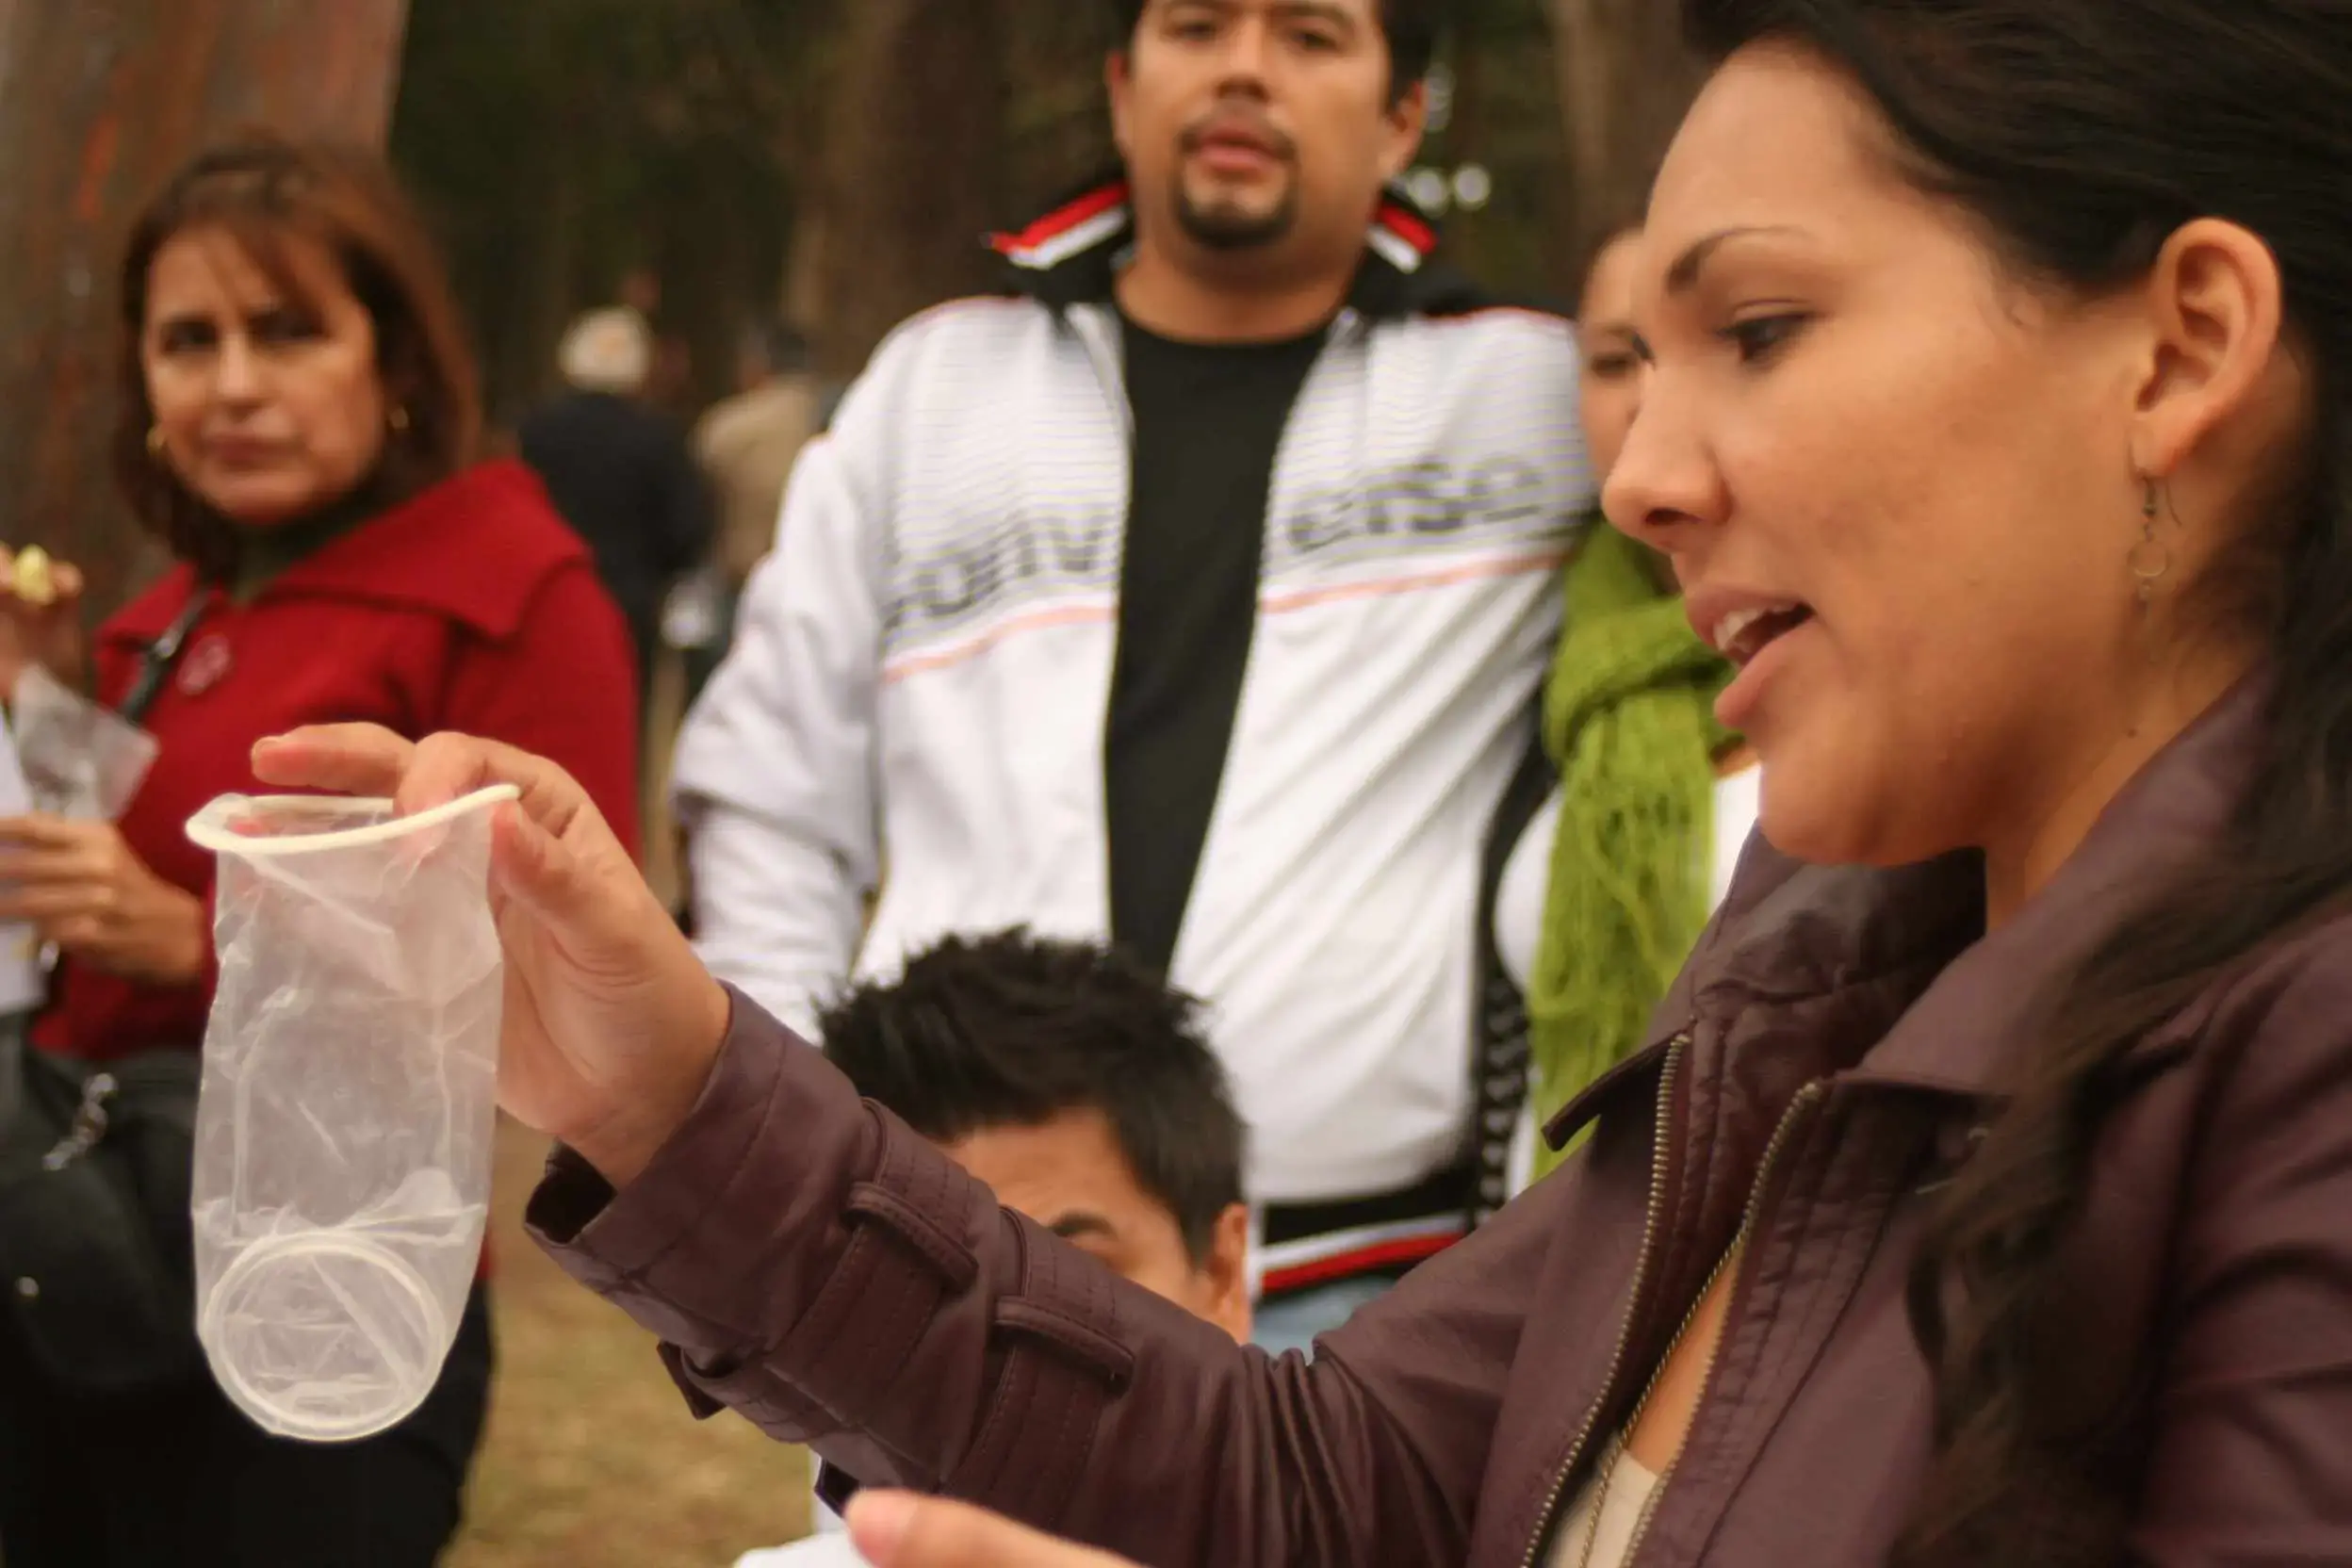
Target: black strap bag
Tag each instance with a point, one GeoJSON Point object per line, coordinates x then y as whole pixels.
{"type": "Point", "coordinates": [97, 1251]}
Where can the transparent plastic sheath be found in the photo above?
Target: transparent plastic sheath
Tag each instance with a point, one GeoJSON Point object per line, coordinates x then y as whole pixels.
{"type": "Point", "coordinates": [343, 1139]}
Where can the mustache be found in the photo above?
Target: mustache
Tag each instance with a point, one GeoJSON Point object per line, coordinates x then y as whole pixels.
{"type": "Point", "coordinates": [1196, 136]}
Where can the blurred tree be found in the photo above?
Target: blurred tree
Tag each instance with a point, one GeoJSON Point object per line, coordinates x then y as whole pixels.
{"type": "Point", "coordinates": [1495, 156]}
{"type": "Point", "coordinates": [670, 136]}
{"type": "Point", "coordinates": [914, 169]}
{"type": "Point", "coordinates": [1624, 82]}
{"type": "Point", "coordinates": [840, 159]}
{"type": "Point", "coordinates": [99, 101]}
{"type": "Point", "coordinates": [1058, 113]}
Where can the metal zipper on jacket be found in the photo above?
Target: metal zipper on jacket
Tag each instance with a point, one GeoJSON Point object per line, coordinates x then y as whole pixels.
{"type": "Point", "coordinates": [1667, 1077]}
{"type": "Point", "coordinates": [1806, 1099]}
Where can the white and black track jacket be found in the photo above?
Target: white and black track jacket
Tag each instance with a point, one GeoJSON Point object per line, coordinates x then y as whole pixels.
{"type": "Point", "coordinates": [922, 668]}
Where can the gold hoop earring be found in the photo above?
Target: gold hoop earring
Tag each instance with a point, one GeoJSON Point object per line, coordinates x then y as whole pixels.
{"type": "Point", "coordinates": [2148, 561]}
{"type": "Point", "coordinates": [157, 449]}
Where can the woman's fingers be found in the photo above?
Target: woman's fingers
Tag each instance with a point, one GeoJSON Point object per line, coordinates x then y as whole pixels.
{"type": "Point", "coordinates": [27, 867]}
{"type": "Point", "coordinates": [533, 868]}
{"type": "Point", "coordinates": [57, 901]}
{"type": "Point", "coordinates": [42, 834]}
{"type": "Point", "coordinates": [348, 759]}
{"type": "Point", "coordinates": [36, 583]}
{"type": "Point", "coordinates": [367, 759]}
{"type": "Point", "coordinates": [895, 1530]}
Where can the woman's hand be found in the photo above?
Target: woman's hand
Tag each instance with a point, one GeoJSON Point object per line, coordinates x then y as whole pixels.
{"type": "Point", "coordinates": [85, 889]}
{"type": "Point", "coordinates": [40, 618]}
{"type": "Point", "coordinates": [612, 1022]}
{"type": "Point", "coordinates": [896, 1529]}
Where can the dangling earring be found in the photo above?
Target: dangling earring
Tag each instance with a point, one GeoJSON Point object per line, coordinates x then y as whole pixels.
{"type": "Point", "coordinates": [2148, 561]}
{"type": "Point", "coordinates": [397, 419]}
{"type": "Point", "coordinates": [157, 447]}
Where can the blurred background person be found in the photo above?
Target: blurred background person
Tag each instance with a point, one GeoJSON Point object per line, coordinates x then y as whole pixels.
{"type": "Point", "coordinates": [747, 446]}
{"type": "Point", "coordinates": [300, 427]}
{"type": "Point", "coordinates": [1082, 1090]}
{"type": "Point", "coordinates": [620, 472]}
{"type": "Point", "coordinates": [1608, 882]}
{"type": "Point", "coordinates": [669, 379]}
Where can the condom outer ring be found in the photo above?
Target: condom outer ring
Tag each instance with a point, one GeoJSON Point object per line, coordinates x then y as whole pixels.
{"type": "Point", "coordinates": [249, 1273]}
{"type": "Point", "coordinates": [209, 828]}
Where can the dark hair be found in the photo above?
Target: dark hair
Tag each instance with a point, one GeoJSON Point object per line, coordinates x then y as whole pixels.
{"type": "Point", "coordinates": [2081, 134]}
{"type": "Point", "coordinates": [264, 190]}
{"type": "Point", "coordinates": [1411, 27]}
{"type": "Point", "coordinates": [1011, 1030]}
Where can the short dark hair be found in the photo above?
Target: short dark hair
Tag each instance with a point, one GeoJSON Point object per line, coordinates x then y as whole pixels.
{"type": "Point", "coordinates": [1009, 1030]}
{"type": "Point", "coordinates": [1409, 26]}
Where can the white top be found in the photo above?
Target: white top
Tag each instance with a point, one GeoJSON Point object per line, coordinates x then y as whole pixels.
{"type": "Point", "coordinates": [1583, 1543]}
{"type": "Point", "coordinates": [1527, 875]}
{"type": "Point", "coordinates": [1527, 879]}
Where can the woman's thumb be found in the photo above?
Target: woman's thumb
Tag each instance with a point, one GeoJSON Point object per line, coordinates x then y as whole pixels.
{"type": "Point", "coordinates": [532, 868]}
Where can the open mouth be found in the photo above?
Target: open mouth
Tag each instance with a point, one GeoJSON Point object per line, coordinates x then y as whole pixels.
{"type": "Point", "coordinates": [1742, 634]}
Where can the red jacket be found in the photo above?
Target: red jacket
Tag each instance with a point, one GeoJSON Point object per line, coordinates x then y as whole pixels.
{"type": "Point", "coordinates": [470, 607]}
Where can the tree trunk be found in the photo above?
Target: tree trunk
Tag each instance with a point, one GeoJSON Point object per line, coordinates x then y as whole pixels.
{"type": "Point", "coordinates": [914, 149]}
{"type": "Point", "coordinates": [1624, 82]}
{"type": "Point", "coordinates": [99, 101]}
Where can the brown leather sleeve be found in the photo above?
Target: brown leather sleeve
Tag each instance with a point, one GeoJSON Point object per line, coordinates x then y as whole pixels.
{"type": "Point", "coordinates": [813, 1264]}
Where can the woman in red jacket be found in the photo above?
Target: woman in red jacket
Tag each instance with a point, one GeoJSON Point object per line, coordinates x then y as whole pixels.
{"type": "Point", "coordinates": [300, 427]}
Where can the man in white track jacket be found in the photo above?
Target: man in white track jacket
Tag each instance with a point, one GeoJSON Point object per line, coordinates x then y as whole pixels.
{"type": "Point", "coordinates": [1194, 597]}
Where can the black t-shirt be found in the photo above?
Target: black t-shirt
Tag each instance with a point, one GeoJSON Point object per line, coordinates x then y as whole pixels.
{"type": "Point", "coordinates": [1208, 422]}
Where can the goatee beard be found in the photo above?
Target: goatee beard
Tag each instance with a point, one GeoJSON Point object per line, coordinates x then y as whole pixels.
{"type": "Point", "coordinates": [1220, 228]}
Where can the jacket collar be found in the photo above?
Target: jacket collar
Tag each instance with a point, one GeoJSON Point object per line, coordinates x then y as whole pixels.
{"type": "Point", "coordinates": [1888, 977]}
{"type": "Point", "coordinates": [445, 549]}
{"type": "Point", "coordinates": [1070, 255]}
{"type": "Point", "coordinates": [1963, 1033]}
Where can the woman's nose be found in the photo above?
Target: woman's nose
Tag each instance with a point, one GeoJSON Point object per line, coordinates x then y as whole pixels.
{"type": "Point", "coordinates": [1665, 482]}
{"type": "Point", "coordinates": [236, 371]}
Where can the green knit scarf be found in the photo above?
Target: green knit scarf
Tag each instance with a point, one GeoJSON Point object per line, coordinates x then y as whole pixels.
{"type": "Point", "coordinates": [1628, 719]}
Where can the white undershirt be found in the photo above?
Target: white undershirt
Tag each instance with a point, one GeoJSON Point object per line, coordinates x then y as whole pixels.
{"type": "Point", "coordinates": [1526, 882]}
{"type": "Point", "coordinates": [1621, 1508]}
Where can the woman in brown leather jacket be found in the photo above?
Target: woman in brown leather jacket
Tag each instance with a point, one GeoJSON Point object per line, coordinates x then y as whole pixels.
{"type": "Point", "coordinates": [1986, 1195]}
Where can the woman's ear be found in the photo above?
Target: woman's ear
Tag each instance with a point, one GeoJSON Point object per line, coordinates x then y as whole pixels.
{"type": "Point", "coordinates": [2216, 307]}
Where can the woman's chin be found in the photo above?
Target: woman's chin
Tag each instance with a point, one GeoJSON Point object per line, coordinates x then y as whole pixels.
{"type": "Point", "coordinates": [262, 507]}
{"type": "Point", "coordinates": [1815, 815]}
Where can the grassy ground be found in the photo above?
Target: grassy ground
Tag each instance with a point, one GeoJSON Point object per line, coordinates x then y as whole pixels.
{"type": "Point", "coordinates": [591, 1460]}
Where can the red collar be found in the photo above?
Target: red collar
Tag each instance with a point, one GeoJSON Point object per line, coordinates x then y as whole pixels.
{"type": "Point", "coordinates": [474, 548]}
